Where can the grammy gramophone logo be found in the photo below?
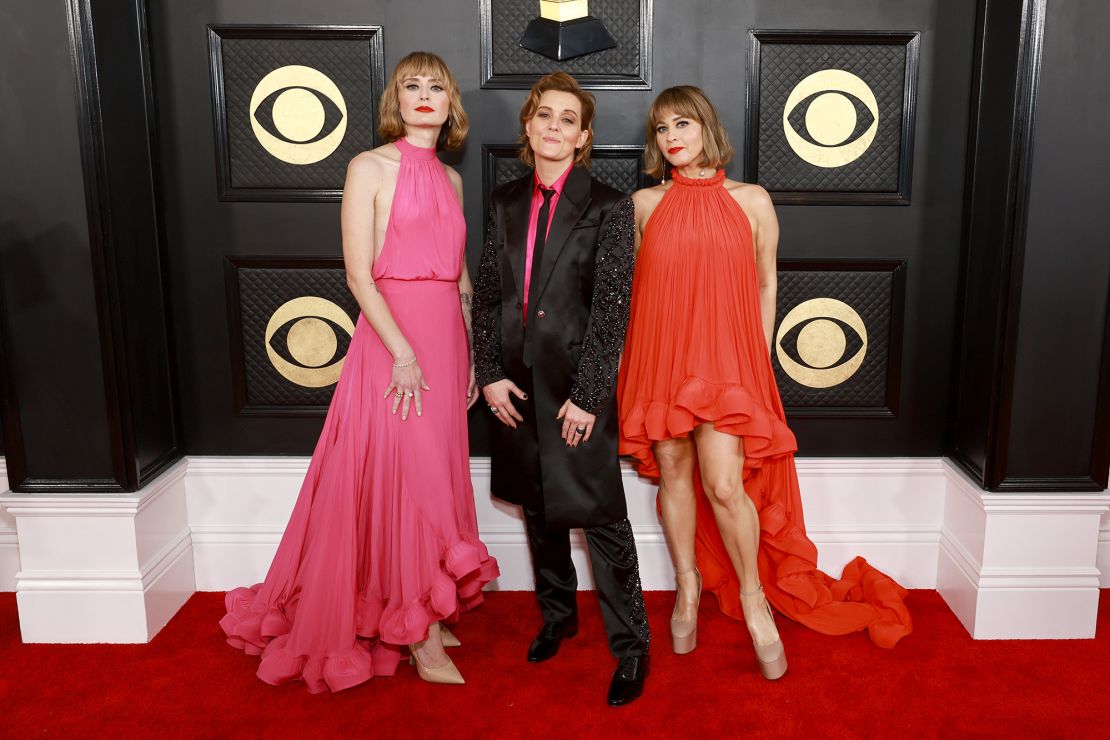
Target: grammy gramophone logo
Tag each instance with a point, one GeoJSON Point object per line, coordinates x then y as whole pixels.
{"type": "Point", "coordinates": [564, 30]}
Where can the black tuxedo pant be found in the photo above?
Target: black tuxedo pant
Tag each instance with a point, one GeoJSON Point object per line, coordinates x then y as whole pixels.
{"type": "Point", "coordinates": [613, 560]}
{"type": "Point", "coordinates": [616, 574]}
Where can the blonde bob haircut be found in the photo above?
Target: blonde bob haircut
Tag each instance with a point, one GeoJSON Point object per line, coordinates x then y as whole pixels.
{"type": "Point", "coordinates": [689, 102]}
{"type": "Point", "coordinates": [561, 82]}
{"type": "Point", "coordinates": [426, 64]}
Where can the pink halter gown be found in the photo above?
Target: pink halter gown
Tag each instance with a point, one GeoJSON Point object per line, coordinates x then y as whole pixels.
{"type": "Point", "coordinates": [383, 539]}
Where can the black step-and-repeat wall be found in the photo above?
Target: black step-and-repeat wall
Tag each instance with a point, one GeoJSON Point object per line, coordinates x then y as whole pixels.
{"type": "Point", "coordinates": [853, 115]}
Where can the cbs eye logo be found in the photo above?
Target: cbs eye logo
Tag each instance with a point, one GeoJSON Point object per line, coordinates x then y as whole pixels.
{"type": "Point", "coordinates": [305, 341]}
{"type": "Point", "coordinates": [298, 114]}
{"type": "Point", "coordinates": [830, 118]}
{"type": "Point", "coordinates": [821, 342]}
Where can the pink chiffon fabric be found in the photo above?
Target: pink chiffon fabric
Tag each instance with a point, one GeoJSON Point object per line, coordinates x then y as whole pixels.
{"type": "Point", "coordinates": [383, 539]}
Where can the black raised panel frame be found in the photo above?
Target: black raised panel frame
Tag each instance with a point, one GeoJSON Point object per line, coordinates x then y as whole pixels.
{"type": "Point", "coordinates": [493, 152]}
{"type": "Point", "coordinates": [216, 34]}
{"type": "Point", "coordinates": [610, 81]}
{"type": "Point", "coordinates": [897, 268]}
{"type": "Point", "coordinates": [909, 39]}
{"type": "Point", "coordinates": [235, 334]}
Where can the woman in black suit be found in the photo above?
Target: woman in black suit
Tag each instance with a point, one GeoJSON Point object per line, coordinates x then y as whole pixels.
{"type": "Point", "coordinates": [550, 313]}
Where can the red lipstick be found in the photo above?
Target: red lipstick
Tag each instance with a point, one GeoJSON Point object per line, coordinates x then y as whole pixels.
{"type": "Point", "coordinates": [425, 109]}
{"type": "Point", "coordinates": [675, 149]}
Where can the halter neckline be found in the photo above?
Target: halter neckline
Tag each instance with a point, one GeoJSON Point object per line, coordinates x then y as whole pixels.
{"type": "Point", "coordinates": [698, 182]}
{"type": "Point", "coordinates": [416, 152]}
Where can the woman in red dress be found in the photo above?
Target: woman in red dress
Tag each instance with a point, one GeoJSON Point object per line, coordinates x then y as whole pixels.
{"type": "Point", "coordinates": [699, 408]}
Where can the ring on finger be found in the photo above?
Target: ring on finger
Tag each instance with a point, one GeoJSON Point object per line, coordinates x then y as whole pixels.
{"type": "Point", "coordinates": [399, 393]}
{"type": "Point", "coordinates": [580, 430]}
{"type": "Point", "coordinates": [410, 394]}
{"type": "Point", "coordinates": [495, 410]}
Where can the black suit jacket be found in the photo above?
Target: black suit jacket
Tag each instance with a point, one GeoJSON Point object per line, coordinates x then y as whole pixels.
{"type": "Point", "coordinates": [570, 348]}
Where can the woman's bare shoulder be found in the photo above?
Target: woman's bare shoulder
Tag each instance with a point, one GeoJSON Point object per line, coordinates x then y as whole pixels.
{"type": "Point", "coordinates": [649, 197]}
{"type": "Point", "coordinates": [751, 196]}
{"type": "Point", "coordinates": [375, 160]}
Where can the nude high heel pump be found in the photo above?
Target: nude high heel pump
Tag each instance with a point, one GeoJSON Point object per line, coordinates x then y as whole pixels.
{"type": "Point", "coordinates": [447, 674]}
{"type": "Point", "coordinates": [770, 658]}
{"type": "Point", "coordinates": [447, 638]}
{"type": "Point", "coordinates": [684, 635]}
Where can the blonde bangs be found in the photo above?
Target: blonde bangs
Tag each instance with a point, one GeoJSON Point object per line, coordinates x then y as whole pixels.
{"type": "Point", "coordinates": [423, 64]}
{"type": "Point", "coordinates": [686, 101]}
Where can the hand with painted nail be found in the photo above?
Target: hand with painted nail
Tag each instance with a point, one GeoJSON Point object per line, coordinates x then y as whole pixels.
{"type": "Point", "coordinates": [499, 399]}
{"type": "Point", "coordinates": [578, 424]}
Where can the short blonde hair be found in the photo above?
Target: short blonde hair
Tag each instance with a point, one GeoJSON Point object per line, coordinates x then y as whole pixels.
{"type": "Point", "coordinates": [561, 82]}
{"type": "Point", "coordinates": [423, 63]}
{"type": "Point", "coordinates": [690, 102]}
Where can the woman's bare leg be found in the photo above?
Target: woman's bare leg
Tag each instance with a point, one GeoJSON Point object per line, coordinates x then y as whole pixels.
{"type": "Point", "coordinates": [720, 457]}
{"type": "Point", "coordinates": [678, 506]}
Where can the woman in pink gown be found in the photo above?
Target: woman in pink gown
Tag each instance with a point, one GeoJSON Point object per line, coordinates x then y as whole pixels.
{"type": "Point", "coordinates": [383, 541]}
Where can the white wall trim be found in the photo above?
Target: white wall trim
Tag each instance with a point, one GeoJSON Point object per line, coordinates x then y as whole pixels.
{"type": "Point", "coordinates": [887, 509]}
{"type": "Point", "coordinates": [1016, 566]}
{"type": "Point", "coordinates": [102, 568]}
{"type": "Point", "coordinates": [9, 541]}
{"type": "Point", "coordinates": [1104, 552]}
{"type": "Point", "coordinates": [964, 560]}
{"type": "Point", "coordinates": [919, 519]}
{"type": "Point", "coordinates": [108, 580]}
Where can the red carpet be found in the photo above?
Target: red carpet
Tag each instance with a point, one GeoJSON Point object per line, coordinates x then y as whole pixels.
{"type": "Point", "coordinates": [938, 682]}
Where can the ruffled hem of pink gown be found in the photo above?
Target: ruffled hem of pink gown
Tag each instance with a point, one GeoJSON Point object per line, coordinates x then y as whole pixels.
{"type": "Point", "coordinates": [381, 624]}
{"type": "Point", "coordinates": [731, 408]}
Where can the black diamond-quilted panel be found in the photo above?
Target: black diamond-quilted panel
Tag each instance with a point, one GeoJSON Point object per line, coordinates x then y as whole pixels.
{"type": "Point", "coordinates": [347, 62]}
{"type": "Point", "coordinates": [507, 169]}
{"type": "Point", "coordinates": [868, 292]}
{"type": "Point", "coordinates": [621, 170]}
{"type": "Point", "coordinates": [619, 173]}
{"type": "Point", "coordinates": [622, 18]}
{"type": "Point", "coordinates": [782, 66]}
{"type": "Point", "coordinates": [262, 290]}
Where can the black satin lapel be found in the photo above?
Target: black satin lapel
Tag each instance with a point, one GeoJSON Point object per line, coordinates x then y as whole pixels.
{"type": "Point", "coordinates": [572, 204]}
{"type": "Point", "coordinates": [516, 230]}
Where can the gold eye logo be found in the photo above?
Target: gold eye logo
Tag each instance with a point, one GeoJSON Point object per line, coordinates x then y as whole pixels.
{"type": "Point", "coordinates": [821, 342]}
{"type": "Point", "coordinates": [298, 114]}
{"type": "Point", "coordinates": [307, 339]}
{"type": "Point", "coordinates": [830, 118]}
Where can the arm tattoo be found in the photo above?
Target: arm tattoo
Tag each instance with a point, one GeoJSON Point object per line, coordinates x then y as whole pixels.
{"type": "Point", "coordinates": [465, 299]}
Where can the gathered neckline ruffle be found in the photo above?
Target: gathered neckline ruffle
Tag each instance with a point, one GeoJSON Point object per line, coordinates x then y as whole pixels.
{"type": "Point", "coordinates": [698, 182]}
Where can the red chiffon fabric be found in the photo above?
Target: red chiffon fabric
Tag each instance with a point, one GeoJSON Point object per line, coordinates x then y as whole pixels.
{"type": "Point", "coordinates": [695, 353]}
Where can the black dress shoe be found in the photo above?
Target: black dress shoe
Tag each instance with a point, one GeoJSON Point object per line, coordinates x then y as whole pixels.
{"type": "Point", "coordinates": [628, 680]}
{"type": "Point", "coordinates": [547, 642]}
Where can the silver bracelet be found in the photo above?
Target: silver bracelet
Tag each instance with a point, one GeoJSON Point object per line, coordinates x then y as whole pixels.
{"type": "Point", "coordinates": [410, 363]}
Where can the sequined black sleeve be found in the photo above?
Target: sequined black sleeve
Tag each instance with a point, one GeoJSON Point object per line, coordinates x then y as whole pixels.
{"type": "Point", "coordinates": [601, 349]}
{"type": "Point", "coordinates": [487, 310]}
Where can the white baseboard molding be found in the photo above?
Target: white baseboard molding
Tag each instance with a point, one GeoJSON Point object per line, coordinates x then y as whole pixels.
{"type": "Point", "coordinates": [105, 568]}
{"type": "Point", "coordinates": [9, 559]}
{"type": "Point", "coordinates": [9, 542]}
{"type": "Point", "coordinates": [1104, 551]}
{"type": "Point", "coordinates": [1021, 566]}
{"type": "Point", "coordinates": [888, 510]}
